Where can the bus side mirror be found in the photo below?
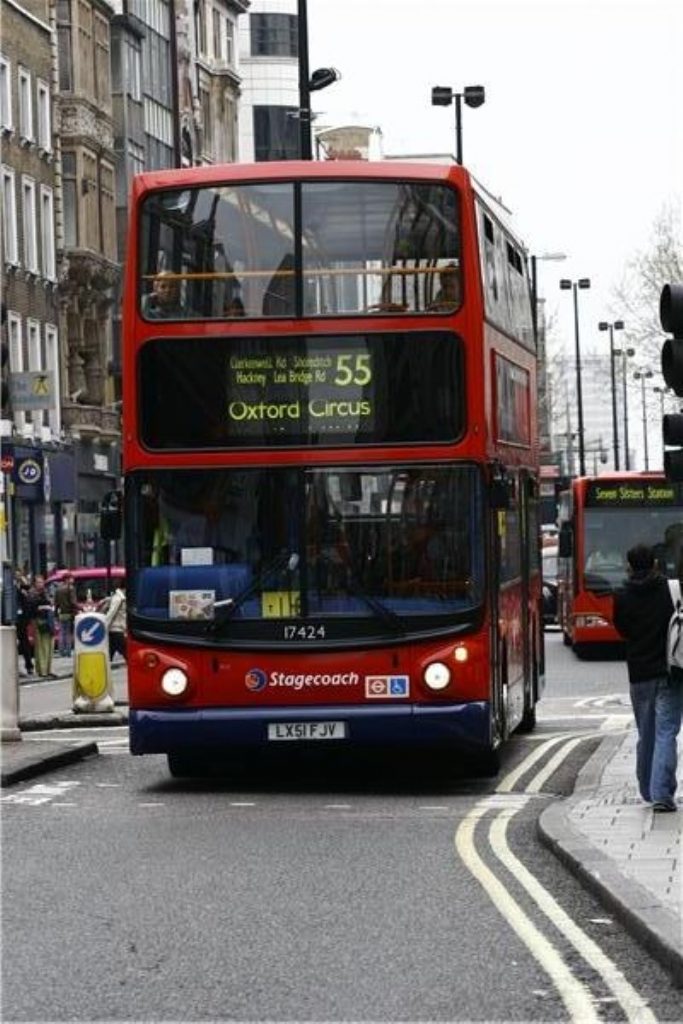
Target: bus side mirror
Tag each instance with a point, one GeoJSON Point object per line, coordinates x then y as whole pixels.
{"type": "Point", "coordinates": [499, 488]}
{"type": "Point", "coordinates": [565, 544]}
{"type": "Point", "coordinates": [111, 516]}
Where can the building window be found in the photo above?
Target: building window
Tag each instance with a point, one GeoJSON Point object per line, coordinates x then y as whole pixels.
{"type": "Point", "coordinates": [276, 133]}
{"type": "Point", "coordinates": [207, 120]}
{"type": "Point", "coordinates": [5, 93]}
{"type": "Point", "coordinates": [52, 364]}
{"type": "Point", "coordinates": [35, 364]}
{"type": "Point", "coordinates": [16, 351]}
{"type": "Point", "coordinates": [44, 117]}
{"type": "Point", "coordinates": [229, 42]}
{"type": "Point", "coordinates": [25, 105]}
{"type": "Point", "coordinates": [47, 232]}
{"type": "Point", "coordinates": [108, 210]}
{"type": "Point", "coordinates": [217, 21]}
{"type": "Point", "coordinates": [70, 199]}
{"type": "Point", "coordinates": [274, 35]}
{"type": "Point", "coordinates": [65, 47]}
{"type": "Point", "coordinates": [134, 83]}
{"type": "Point", "coordinates": [18, 357]}
{"type": "Point", "coordinates": [101, 71]}
{"type": "Point", "coordinates": [200, 27]}
{"type": "Point", "coordinates": [86, 62]}
{"type": "Point", "coordinates": [9, 217]}
{"type": "Point", "coordinates": [89, 202]}
{"type": "Point", "coordinates": [28, 207]}
{"type": "Point", "coordinates": [136, 158]}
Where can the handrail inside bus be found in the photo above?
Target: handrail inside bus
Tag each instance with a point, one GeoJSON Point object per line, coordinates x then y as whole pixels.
{"type": "Point", "coordinates": [225, 275]}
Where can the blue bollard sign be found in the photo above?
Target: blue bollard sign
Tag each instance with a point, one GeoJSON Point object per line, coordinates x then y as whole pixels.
{"type": "Point", "coordinates": [90, 631]}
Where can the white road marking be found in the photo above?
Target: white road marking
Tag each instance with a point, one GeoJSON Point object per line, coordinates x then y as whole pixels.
{"type": "Point", "coordinates": [634, 1006]}
{"type": "Point", "coordinates": [40, 793]}
{"type": "Point", "coordinates": [575, 996]}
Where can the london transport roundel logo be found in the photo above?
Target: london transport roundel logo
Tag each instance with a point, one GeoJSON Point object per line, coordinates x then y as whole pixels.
{"type": "Point", "coordinates": [29, 471]}
{"type": "Point", "coordinates": [256, 680]}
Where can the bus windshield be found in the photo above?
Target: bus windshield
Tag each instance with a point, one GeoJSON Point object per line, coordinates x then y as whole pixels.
{"type": "Point", "coordinates": [610, 532]}
{"type": "Point", "coordinates": [312, 248]}
{"type": "Point", "coordinates": [388, 544]}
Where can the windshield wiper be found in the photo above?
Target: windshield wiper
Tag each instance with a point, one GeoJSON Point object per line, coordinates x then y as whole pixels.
{"type": "Point", "coordinates": [389, 617]}
{"type": "Point", "coordinates": [228, 607]}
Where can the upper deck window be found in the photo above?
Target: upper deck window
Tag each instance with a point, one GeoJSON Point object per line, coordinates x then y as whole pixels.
{"type": "Point", "coordinates": [321, 248]}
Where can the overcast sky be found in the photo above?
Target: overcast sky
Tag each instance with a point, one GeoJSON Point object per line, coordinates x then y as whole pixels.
{"type": "Point", "coordinates": [582, 130]}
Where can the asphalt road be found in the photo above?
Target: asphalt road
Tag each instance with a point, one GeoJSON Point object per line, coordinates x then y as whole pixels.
{"type": "Point", "coordinates": [309, 892]}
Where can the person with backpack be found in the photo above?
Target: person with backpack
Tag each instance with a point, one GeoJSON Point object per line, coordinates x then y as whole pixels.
{"type": "Point", "coordinates": [643, 609]}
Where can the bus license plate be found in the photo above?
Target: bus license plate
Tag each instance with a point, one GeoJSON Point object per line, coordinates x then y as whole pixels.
{"type": "Point", "coordinates": [306, 730]}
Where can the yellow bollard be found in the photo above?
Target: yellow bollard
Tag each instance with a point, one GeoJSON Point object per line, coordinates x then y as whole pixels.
{"type": "Point", "coordinates": [92, 685]}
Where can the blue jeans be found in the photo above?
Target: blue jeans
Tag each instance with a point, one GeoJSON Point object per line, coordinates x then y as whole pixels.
{"type": "Point", "coordinates": [657, 706]}
{"type": "Point", "coordinates": [66, 638]}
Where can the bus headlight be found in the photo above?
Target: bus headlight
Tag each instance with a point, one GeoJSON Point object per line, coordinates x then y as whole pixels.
{"type": "Point", "coordinates": [437, 676]}
{"type": "Point", "coordinates": [590, 621]}
{"type": "Point", "coordinates": [174, 682]}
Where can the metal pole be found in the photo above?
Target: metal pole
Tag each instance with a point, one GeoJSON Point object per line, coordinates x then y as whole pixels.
{"type": "Point", "coordinates": [175, 85]}
{"type": "Point", "coordinates": [458, 128]}
{"type": "Point", "coordinates": [534, 301]}
{"type": "Point", "coordinates": [627, 457]}
{"type": "Point", "coordinates": [579, 395]}
{"type": "Point", "coordinates": [615, 428]}
{"type": "Point", "coordinates": [647, 454]}
{"type": "Point", "coordinates": [304, 91]}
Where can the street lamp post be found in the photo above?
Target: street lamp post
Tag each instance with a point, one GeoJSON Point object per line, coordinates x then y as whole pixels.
{"type": "Point", "coordinates": [320, 79]}
{"type": "Point", "coordinates": [625, 353]}
{"type": "Point", "coordinates": [566, 284]}
{"type": "Point", "coordinates": [618, 325]}
{"type": "Point", "coordinates": [642, 376]}
{"type": "Point", "coordinates": [443, 96]}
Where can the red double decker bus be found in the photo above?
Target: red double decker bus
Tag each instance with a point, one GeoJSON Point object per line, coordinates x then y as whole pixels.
{"type": "Point", "coordinates": [601, 517]}
{"type": "Point", "coordinates": [331, 465]}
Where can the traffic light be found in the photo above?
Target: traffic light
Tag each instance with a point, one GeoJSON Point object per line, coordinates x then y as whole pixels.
{"type": "Point", "coordinates": [671, 317]}
{"type": "Point", "coordinates": [111, 516]}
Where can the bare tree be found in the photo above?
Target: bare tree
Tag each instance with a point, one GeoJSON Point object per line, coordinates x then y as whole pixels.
{"type": "Point", "coordinates": [636, 298]}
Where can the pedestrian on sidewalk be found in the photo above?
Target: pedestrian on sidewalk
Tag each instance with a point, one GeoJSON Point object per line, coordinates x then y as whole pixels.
{"type": "Point", "coordinates": [114, 608]}
{"type": "Point", "coordinates": [66, 609]}
{"type": "Point", "coordinates": [642, 610]}
{"type": "Point", "coordinates": [41, 613]}
{"type": "Point", "coordinates": [24, 624]}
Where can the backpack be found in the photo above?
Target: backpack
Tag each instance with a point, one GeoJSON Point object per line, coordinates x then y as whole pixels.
{"type": "Point", "coordinates": [674, 635]}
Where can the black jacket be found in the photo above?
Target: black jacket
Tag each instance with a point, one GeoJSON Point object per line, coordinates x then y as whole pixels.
{"type": "Point", "coordinates": [642, 610]}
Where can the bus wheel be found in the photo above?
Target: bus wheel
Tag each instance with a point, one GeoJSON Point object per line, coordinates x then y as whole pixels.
{"type": "Point", "coordinates": [566, 639]}
{"type": "Point", "coordinates": [528, 723]}
{"type": "Point", "coordinates": [185, 766]}
{"type": "Point", "coordinates": [486, 765]}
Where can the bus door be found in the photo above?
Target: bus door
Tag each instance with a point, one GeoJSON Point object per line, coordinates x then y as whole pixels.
{"type": "Point", "coordinates": [510, 590]}
{"type": "Point", "coordinates": [531, 566]}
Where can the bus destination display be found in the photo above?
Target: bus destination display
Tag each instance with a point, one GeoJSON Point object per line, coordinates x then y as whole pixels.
{"type": "Point", "coordinates": [314, 391]}
{"type": "Point", "coordinates": [624, 495]}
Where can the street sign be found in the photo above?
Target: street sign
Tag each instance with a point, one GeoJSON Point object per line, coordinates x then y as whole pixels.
{"type": "Point", "coordinates": [90, 630]}
{"type": "Point", "coordinates": [32, 390]}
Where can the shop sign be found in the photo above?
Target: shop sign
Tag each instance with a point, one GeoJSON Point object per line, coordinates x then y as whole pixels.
{"type": "Point", "coordinates": [32, 390]}
{"type": "Point", "coordinates": [28, 470]}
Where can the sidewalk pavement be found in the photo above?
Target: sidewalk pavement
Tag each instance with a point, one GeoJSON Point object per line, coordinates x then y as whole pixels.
{"type": "Point", "coordinates": [622, 851]}
{"type": "Point", "coordinates": [617, 846]}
